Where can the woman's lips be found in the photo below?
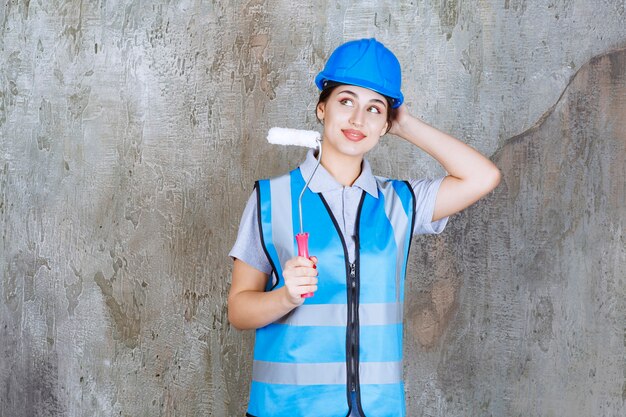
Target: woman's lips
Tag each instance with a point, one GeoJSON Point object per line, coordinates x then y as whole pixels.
{"type": "Point", "coordinates": [353, 135]}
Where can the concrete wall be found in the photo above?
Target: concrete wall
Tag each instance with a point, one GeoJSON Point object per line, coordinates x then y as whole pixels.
{"type": "Point", "coordinates": [131, 133]}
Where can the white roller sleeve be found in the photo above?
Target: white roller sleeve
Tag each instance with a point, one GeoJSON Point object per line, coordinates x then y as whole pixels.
{"type": "Point", "coordinates": [283, 136]}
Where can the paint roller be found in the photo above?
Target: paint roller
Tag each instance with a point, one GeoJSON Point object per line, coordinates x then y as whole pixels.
{"type": "Point", "coordinates": [309, 139]}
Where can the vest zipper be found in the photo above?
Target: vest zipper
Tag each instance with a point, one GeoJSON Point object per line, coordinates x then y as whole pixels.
{"type": "Point", "coordinates": [352, 315]}
{"type": "Point", "coordinates": [352, 331]}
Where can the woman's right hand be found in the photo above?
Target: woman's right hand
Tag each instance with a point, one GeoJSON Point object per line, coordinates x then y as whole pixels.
{"type": "Point", "coordinates": [300, 276]}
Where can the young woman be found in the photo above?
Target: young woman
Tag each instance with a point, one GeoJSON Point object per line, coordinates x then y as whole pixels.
{"type": "Point", "coordinates": [339, 352]}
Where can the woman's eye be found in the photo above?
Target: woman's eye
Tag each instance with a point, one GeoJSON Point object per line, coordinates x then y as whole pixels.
{"type": "Point", "coordinates": [374, 110]}
{"type": "Point", "coordinates": [346, 102]}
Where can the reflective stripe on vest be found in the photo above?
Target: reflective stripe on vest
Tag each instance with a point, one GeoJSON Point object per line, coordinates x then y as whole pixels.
{"type": "Point", "coordinates": [300, 361]}
{"type": "Point", "coordinates": [337, 314]}
{"type": "Point", "coordinates": [324, 374]}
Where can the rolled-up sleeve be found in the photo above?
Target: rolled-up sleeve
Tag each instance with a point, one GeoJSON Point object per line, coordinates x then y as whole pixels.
{"type": "Point", "coordinates": [248, 247]}
{"type": "Point", "coordinates": [425, 197]}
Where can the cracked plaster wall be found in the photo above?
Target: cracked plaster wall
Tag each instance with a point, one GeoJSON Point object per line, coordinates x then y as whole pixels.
{"type": "Point", "coordinates": [131, 133]}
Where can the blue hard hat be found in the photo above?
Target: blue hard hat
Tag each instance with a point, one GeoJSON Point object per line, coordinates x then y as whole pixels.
{"type": "Point", "coordinates": [365, 63]}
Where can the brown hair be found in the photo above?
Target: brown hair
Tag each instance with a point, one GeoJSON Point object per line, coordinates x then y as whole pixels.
{"type": "Point", "coordinates": [330, 86]}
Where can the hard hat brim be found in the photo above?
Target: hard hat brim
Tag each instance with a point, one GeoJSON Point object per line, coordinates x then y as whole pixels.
{"type": "Point", "coordinates": [396, 99]}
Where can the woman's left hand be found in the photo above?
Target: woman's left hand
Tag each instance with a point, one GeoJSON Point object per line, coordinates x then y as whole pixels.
{"type": "Point", "coordinates": [399, 122]}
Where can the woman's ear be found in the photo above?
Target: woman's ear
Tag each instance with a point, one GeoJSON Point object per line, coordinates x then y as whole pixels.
{"type": "Point", "coordinates": [385, 129]}
{"type": "Point", "coordinates": [320, 111]}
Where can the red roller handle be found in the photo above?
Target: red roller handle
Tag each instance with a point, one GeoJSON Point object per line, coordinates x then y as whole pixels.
{"type": "Point", "coordinates": [303, 250]}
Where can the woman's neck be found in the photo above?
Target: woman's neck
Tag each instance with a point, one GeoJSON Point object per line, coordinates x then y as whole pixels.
{"type": "Point", "coordinates": [345, 169]}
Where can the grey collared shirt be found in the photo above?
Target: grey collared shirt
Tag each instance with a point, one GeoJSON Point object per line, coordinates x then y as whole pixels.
{"type": "Point", "coordinates": [343, 202]}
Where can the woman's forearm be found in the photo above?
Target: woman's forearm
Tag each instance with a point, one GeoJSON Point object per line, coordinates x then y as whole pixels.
{"type": "Point", "coordinates": [253, 309]}
{"type": "Point", "coordinates": [458, 159]}
{"type": "Point", "coordinates": [470, 174]}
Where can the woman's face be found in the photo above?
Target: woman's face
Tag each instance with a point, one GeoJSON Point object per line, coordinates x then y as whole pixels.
{"type": "Point", "coordinates": [354, 119]}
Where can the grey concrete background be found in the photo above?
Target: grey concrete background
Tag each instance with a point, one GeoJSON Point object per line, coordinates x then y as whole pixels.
{"type": "Point", "coordinates": [131, 133]}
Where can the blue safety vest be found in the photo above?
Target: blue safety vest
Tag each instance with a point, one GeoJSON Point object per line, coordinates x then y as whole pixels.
{"type": "Point", "coordinates": [348, 336]}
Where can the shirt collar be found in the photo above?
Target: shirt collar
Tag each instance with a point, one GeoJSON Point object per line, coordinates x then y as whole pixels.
{"type": "Point", "coordinates": [323, 181]}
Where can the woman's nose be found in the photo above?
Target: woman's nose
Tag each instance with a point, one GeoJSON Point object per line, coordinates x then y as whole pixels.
{"type": "Point", "coordinates": [356, 119]}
